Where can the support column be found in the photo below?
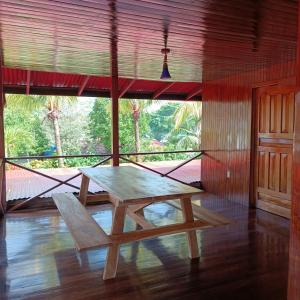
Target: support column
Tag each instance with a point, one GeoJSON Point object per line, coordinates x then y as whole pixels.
{"type": "Point", "coordinates": [294, 252]}
{"type": "Point", "coordinates": [114, 83]}
{"type": "Point", "coordinates": [2, 147]}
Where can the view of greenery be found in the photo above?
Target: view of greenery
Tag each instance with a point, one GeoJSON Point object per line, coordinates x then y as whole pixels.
{"type": "Point", "coordinates": [48, 125]}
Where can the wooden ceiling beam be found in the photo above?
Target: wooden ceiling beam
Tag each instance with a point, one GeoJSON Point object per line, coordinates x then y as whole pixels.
{"type": "Point", "coordinates": [162, 90]}
{"type": "Point", "coordinates": [28, 75]}
{"type": "Point", "coordinates": [126, 88]}
{"type": "Point", "coordinates": [83, 85]}
{"type": "Point", "coordinates": [194, 93]}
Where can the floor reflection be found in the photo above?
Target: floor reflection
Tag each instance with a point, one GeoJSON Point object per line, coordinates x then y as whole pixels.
{"type": "Point", "coordinates": [38, 259]}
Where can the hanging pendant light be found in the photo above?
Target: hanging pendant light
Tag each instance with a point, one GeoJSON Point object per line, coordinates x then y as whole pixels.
{"type": "Point", "coordinates": [165, 71]}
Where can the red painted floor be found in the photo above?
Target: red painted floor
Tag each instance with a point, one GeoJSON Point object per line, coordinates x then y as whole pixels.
{"type": "Point", "coordinates": [24, 184]}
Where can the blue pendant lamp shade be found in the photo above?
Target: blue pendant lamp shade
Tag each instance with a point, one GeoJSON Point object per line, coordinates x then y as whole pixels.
{"type": "Point", "coordinates": [165, 71]}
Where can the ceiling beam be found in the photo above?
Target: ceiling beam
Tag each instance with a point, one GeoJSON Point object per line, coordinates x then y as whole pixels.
{"type": "Point", "coordinates": [162, 90]}
{"type": "Point", "coordinates": [28, 82]}
{"type": "Point", "coordinates": [126, 88]}
{"type": "Point", "coordinates": [62, 91]}
{"type": "Point", "coordinates": [194, 93]}
{"type": "Point", "coordinates": [83, 85]}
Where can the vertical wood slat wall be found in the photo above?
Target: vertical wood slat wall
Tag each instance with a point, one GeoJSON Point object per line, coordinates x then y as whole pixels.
{"type": "Point", "coordinates": [226, 127]}
{"type": "Point", "coordinates": [294, 250]}
{"type": "Point", "coordinates": [2, 149]}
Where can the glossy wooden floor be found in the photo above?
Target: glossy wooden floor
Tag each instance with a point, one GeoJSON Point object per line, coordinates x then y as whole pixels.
{"type": "Point", "coordinates": [245, 260]}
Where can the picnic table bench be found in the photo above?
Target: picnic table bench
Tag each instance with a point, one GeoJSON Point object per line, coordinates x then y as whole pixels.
{"type": "Point", "coordinates": [130, 190]}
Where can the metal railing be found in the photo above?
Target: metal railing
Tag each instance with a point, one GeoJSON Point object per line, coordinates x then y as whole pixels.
{"type": "Point", "coordinates": [122, 156]}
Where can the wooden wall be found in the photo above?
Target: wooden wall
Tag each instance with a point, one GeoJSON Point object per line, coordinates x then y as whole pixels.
{"type": "Point", "coordinates": [2, 149]}
{"type": "Point", "coordinates": [226, 128]}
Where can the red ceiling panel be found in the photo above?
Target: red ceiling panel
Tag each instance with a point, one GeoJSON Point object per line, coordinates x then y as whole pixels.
{"type": "Point", "coordinates": [15, 81]}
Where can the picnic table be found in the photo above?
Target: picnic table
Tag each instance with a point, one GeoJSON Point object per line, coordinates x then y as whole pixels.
{"type": "Point", "coordinates": [129, 190]}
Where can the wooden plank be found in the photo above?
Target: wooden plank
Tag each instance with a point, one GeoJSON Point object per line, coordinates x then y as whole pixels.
{"type": "Point", "coordinates": [112, 258]}
{"type": "Point", "coordinates": [84, 189]}
{"type": "Point", "coordinates": [2, 145]}
{"type": "Point", "coordinates": [132, 236]}
{"type": "Point", "coordinates": [193, 93]}
{"type": "Point", "coordinates": [133, 185]}
{"type": "Point", "coordinates": [83, 85]}
{"type": "Point", "coordinates": [139, 219]}
{"type": "Point", "coordinates": [83, 228]}
{"type": "Point", "coordinates": [187, 212]}
{"type": "Point", "coordinates": [137, 207]}
{"type": "Point", "coordinates": [103, 197]}
{"type": "Point", "coordinates": [294, 248]}
{"type": "Point", "coordinates": [162, 90]}
{"type": "Point", "coordinates": [204, 214]}
{"type": "Point", "coordinates": [126, 88]}
{"type": "Point", "coordinates": [273, 208]}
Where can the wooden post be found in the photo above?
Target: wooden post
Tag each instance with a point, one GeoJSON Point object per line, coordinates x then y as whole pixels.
{"type": "Point", "coordinates": [2, 146]}
{"type": "Point", "coordinates": [188, 216]}
{"type": "Point", "coordinates": [294, 252]}
{"type": "Point", "coordinates": [112, 258]}
{"type": "Point", "coordinates": [84, 189]}
{"type": "Point", "coordinates": [114, 84]}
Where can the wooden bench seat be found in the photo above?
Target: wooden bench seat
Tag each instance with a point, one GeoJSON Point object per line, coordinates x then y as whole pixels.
{"type": "Point", "coordinates": [83, 228]}
{"type": "Point", "coordinates": [202, 213]}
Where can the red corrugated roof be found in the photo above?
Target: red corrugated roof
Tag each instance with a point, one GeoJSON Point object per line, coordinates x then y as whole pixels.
{"type": "Point", "coordinates": [38, 82]}
{"type": "Point", "coordinates": [23, 184]}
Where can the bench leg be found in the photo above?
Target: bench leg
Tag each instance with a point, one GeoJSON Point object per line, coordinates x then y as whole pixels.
{"type": "Point", "coordinates": [112, 258]}
{"type": "Point", "coordinates": [187, 210]}
{"type": "Point", "coordinates": [84, 189]}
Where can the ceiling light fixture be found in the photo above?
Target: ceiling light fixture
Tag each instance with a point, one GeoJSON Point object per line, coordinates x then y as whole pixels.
{"type": "Point", "coordinates": [165, 71]}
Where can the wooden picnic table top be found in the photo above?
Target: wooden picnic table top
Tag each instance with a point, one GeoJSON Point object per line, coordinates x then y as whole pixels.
{"type": "Point", "coordinates": [132, 185]}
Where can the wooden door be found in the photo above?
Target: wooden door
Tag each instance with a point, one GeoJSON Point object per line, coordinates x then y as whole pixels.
{"type": "Point", "coordinates": [274, 145]}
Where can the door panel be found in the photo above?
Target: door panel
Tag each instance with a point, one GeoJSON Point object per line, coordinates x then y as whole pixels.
{"type": "Point", "coordinates": [274, 141]}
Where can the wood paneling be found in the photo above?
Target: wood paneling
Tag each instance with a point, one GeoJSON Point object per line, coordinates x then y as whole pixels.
{"type": "Point", "coordinates": [226, 127]}
{"type": "Point", "coordinates": [2, 147]}
{"type": "Point", "coordinates": [74, 36]}
{"type": "Point", "coordinates": [294, 252]}
{"type": "Point", "coordinates": [294, 249]}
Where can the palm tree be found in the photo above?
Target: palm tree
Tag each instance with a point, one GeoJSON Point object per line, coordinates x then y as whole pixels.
{"type": "Point", "coordinates": [135, 108]}
{"type": "Point", "coordinates": [187, 119]}
{"type": "Point", "coordinates": [13, 136]}
{"type": "Point", "coordinates": [53, 104]}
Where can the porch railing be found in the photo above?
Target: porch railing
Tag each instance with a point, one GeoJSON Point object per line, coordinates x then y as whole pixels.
{"type": "Point", "coordinates": [106, 158]}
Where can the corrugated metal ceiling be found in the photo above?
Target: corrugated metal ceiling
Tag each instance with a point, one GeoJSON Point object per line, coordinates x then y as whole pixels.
{"type": "Point", "coordinates": [206, 37]}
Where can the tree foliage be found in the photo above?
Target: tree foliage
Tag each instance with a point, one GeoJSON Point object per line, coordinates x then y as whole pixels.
{"type": "Point", "coordinates": [161, 121]}
{"type": "Point", "coordinates": [85, 128]}
{"type": "Point", "coordinates": [23, 133]}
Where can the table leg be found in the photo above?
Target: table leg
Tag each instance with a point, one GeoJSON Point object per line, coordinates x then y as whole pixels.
{"type": "Point", "coordinates": [112, 258]}
{"type": "Point", "coordinates": [140, 212]}
{"type": "Point", "coordinates": [84, 189]}
{"type": "Point", "coordinates": [187, 210]}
